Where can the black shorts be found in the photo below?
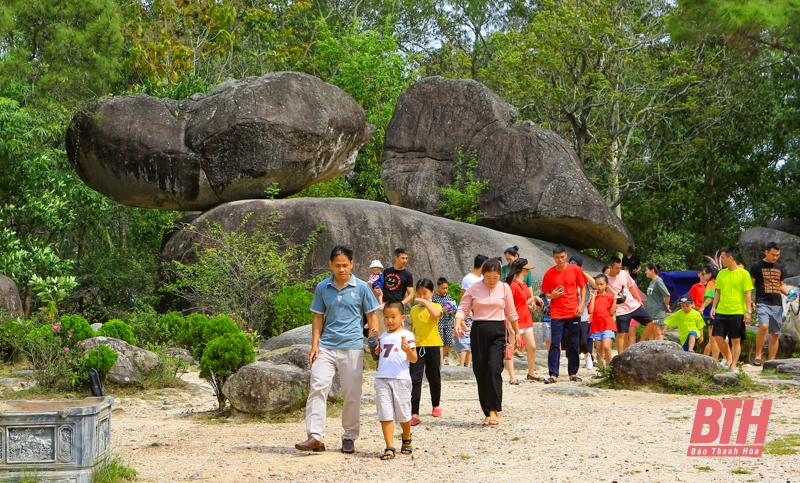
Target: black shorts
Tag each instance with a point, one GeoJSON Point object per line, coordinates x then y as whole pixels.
{"type": "Point", "coordinates": [730, 326]}
{"type": "Point", "coordinates": [639, 315]}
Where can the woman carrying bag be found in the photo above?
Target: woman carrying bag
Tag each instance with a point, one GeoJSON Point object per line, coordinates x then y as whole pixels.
{"type": "Point", "coordinates": [492, 304]}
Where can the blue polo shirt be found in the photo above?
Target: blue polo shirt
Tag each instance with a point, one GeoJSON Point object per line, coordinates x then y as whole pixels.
{"type": "Point", "coordinates": [344, 312]}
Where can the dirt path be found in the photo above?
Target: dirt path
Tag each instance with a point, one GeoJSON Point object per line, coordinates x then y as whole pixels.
{"type": "Point", "coordinates": [544, 436]}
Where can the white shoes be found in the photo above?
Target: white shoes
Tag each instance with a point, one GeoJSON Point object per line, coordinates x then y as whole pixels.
{"type": "Point", "coordinates": [589, 363]}
{"type": "Point", "coordinates": [724, 366]}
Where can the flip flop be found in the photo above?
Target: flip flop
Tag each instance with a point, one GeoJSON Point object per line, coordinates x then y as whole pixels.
{"type": "Point", "coordinates": [514, 383]}
{"type": "Point", "coordinates": [534, 378]}
{"type": "Point", "coordinates": [757, 362]}
{"type": "Point", "coordinates": [575, 379]}
{"type": "Point", "coordinates": [550, 380]}
{"type": "Point", "coordinates": [493, 422]}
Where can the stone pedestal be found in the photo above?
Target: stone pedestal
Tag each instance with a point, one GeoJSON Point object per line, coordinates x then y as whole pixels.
{"type": "Point", "coordinates": [54, 442]}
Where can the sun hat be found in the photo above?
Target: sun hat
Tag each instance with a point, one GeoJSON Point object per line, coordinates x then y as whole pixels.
{"type": "Point", "coordinates": [376, 264]}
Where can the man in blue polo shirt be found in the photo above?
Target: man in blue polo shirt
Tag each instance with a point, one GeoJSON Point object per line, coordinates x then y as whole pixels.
{"type": "Point", "coordinates": [337, 345]}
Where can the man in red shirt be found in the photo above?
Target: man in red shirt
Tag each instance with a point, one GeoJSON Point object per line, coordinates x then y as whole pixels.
{"type": "Point", "coordinates": [565, 286]}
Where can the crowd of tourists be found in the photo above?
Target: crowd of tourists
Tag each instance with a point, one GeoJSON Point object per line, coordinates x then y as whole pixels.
{"type": "Point", "coordinates": [579, 313]}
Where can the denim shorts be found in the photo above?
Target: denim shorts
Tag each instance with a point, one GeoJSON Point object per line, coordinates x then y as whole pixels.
{"type": "Point", "coordinates": [605, 334]}
{"type": "Point", "coordinates": [547, 331]}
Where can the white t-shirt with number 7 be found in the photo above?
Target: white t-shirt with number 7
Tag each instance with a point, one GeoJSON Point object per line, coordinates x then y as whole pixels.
{"type": "Point", "coordinates": [393, 362]}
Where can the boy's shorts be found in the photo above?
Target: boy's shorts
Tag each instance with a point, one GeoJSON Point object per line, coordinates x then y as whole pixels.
{"type": "Point", "coordinates": [393, 399]}
{"type": "Point", "coordinates": [686, 344]}
{"type": "Point", "coordinates": [547, 333]}
{"type": "Point", "coordinates": [463, 344]}
{"type": "Point", "coordinates": [604, 334]}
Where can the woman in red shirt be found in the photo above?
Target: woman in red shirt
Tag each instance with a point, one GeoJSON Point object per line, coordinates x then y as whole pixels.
{"type": "Point", "coordinates": [517, 272]}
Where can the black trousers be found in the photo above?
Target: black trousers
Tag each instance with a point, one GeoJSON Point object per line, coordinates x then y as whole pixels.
{"type": "Point", "coordinates": [570, 330]}
{"type": "Point", "coordinates": [488, 345]}
{"type": "Point", "coordinates": [428, 362]}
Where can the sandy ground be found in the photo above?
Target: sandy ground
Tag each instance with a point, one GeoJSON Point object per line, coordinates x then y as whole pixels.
{"type": "Point", "coordinates": [621, 436]}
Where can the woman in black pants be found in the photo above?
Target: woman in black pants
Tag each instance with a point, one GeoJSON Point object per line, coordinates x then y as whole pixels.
{"type": "Point", "coordinates": [492, 304]}
{"type": "Point", "coordinates": [425, 325]}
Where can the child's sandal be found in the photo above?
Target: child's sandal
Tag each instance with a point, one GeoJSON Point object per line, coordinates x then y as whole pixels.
{"type": "Point", "coordinates": [406, 448]}
{"type": "Point", "coordinates": [388, 454]}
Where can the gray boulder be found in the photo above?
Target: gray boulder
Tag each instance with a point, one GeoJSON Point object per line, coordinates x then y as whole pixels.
{"type": "Point", "coordinates": [644, 363]}
{"type": "Point", "coordinates": [133, 363]}
{"type": "Point", "coordinates": [183, 355]}
{"type": "Point", "coordinates": [9, 296]}
{"type": "Point", "coordinates": [792, 369]}
{"type": "Point", "coordinates": [774, 364]}
{"type": "Point", "coordinates": [456, 373]}
{"type": "Point", "coordinates": [232, 143]}
{"type": "Point", "coordinates": [538, 185]}
{"type": "Point", "coordinates": [375, 229]}
{"type": "Point", "coordinates": [753, 242]}
{"type": "Point", "coordinates": [275, 383]}
{"type": "Point", "coordinates": [727, 379]}
{"type": "Point", "coordinates": [790, 226]}
{"type": "Point", "coordinates": [299, 335]}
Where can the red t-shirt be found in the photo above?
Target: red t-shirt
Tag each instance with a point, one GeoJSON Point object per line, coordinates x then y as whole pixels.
{"type": "Point", "coordinates": [601, 317]}
{"type": "Point", "coordinates": [572, 279]}
{"type": "Point", "coordinates": [521, 294]}
{"type": "Point", "coordinates": [697, 293]}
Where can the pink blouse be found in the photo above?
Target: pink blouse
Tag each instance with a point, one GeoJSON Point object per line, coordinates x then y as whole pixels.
{"type": "Point", "coordinates": [486, 304]}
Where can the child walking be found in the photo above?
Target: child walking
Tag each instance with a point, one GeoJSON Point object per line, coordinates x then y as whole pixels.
{"type": "Point", "coordinates": [425, 325]}
{"type": "Point", "coordinates": [689, 323]}
{"type": "Point", "coordinates": [448, 322]}
{"type": "Point", "coordinates": [393, 382]}
{"type": "Point", "coordinates": [602, 308]}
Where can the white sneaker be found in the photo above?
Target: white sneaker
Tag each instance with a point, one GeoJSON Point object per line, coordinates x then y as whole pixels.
{"type": "Point", "coordinates": [724, 366]}
{"type": "Point", "coordinates": [735, 371]}
{"type": "Point", "coordinates": [589, 363]}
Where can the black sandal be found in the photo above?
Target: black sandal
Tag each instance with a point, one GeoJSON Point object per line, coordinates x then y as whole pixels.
{"type": "Point", "coordinates": [550, 380]}
{"type": "Point", "coordinates": [406, 448]}
{"type": "Point", "coordinates": [575, 379]}
{"type": "Point", "coordinates": [388, 454]}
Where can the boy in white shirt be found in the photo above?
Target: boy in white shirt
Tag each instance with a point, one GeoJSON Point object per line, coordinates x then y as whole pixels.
{"type": "Point", "coordinates": [393, 382]}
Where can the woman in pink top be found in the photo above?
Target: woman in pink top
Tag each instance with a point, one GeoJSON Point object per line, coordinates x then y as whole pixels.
{"type": "Point", "coordinates": [492, 303]}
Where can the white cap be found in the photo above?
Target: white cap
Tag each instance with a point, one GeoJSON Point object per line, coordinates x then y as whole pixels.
{"type": "Point", "coordinates": [376, 264]}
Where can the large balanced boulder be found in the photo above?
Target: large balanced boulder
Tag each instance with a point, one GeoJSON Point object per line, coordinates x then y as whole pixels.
{"type": "Point", "coordinates": [275, 383]}
{"type": "Point", "coordinates": [9, 296]}
{"type": "Point", "coordinates": [299, 335]}
{"type": "Point", "coordinates": [753, 242]}
{"type": "Point", "coordinates": [789, 225]}
{"type": "Point", "coordinates": [133, 363]}
{"type": "Point", "coordinates": [538, 186]}
{"type": "Point", "coordinates": [645, 363]}
{"type": "Point", "coordinates": [243, 136]}
{"type": "Point", "coordinates": [437, 247]}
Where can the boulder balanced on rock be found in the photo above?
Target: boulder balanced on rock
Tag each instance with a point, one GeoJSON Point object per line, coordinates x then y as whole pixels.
{"type": "Point", "coordinates": [754, 241]}
{"type": "Point", "coordinates": [538, 186]}
{"type": "Point", "coordinates": [232, 143]}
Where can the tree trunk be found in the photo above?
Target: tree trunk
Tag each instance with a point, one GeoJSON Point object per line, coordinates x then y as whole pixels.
{"type": "Point", "coordinates": [26, 302]}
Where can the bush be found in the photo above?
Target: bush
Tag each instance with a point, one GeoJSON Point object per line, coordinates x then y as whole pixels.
{"type": "Point", "coordinates": [55, 365]}
{"type": "Point", "coordinates": [290, 309]}
{"type": "Point", "coordinates": [460, 200]}
{"type": "Point", "coordinates": [101, 359]}
{"type": "Point", "coordinates": [242, 270]}
{"type": "Point", "coordinates": [153, 331]}
{"type": "Point", "coordinates": [74, 328]}
{"type": "Point", "coordinates": [12, 339]}
{"type": "Point", "coordinates": [223, 356]}
{"type": "Point", "coordinates": [117, 329]}
{"type": "Point", "coordinates": [199, 330]}
{"type": "Point", "coordinates": [454, 289]}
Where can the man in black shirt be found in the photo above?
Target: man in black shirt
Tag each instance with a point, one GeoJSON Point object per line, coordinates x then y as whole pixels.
{"type": "Point", "coordinates": [398, 282]}
{"type": "Point", "coordinates": [768, 275]}
{"type": "Point", "coordinates": [633, 263]}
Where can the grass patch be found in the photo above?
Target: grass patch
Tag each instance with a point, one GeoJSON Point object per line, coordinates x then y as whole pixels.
{"type": "Point", "coordinates": [111, 469]}
{"type": "Point", "coordinates": [785, 445]}
{"type": "Point", "coordinates": [699, 382]}
{"type": "Point", "coordinates": [741, 471]}
{"type": "Point", "coordinates": [704, 468]}
{"type": "Point", "coordinates": [464, 456]}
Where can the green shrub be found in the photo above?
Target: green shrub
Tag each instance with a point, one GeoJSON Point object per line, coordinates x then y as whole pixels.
{"type": "Point", "coordinates": [154, 331]}
{"type": "Point", "coordinates": [454, 289]}
{"type": "Point", "coordinates": [12, 339]}
{"type": "Point", "coordinates": [289, 309]}
{"type": "Point", "coordinates": [169, 325]}
{"type": "Point", "coordinates": [223, 356]}
{"type": "Point", "coordinates": [117, 329]}
{"type": "Point", "coordinates": [55, 364]}
{"type": "Point", "coordinates": [73, 328]}
{"type": "Point", "coordinates": [460, 200]}
{"type": "Point", "coordinates": [199, 330]}
{"type": "Point", "coordinates": [101, 359]}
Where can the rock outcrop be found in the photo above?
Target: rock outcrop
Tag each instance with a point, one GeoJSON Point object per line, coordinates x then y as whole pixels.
{"type": "Point", "coordinates": [538, 186]}
{"type": "Point", "coordinates": [299, 335]}
{"type": "Point", "coordinates": [437, 247]}
{"type": "Point", "coordinates": [232, 143]}
{"type": "Point", "coordinates": [133, 363]}
{"type": "Point", "coordinates": [753, 242]}
{"type": "Point", "coordinates": [9, 296]}
{"type": "Point", "coordinates": [277, 382]}
{"type": "Point", "coordinates": [645, 362]}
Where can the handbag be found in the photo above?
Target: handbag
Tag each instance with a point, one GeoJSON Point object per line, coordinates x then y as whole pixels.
{"type": "Point", "coordinates": [508, 353]}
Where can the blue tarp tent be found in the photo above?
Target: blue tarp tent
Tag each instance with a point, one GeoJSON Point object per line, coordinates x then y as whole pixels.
{"type": "Point", "coordinates": [679, 283]}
